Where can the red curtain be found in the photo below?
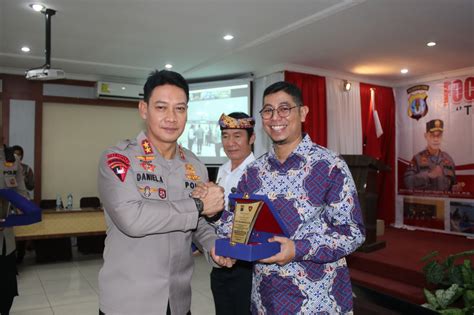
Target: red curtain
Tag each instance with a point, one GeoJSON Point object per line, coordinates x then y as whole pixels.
{"type": "Point", "coordinates": [313, 88]}
{"type": "Point", "coordinates": [382, 148]}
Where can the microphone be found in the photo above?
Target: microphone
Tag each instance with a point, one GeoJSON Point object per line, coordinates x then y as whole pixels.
{"type": "Point", "coordinates": [233, 190]}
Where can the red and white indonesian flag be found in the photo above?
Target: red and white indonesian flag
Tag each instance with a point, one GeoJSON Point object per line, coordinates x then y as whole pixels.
{"type": "Point", "coordinates": [378, 125]}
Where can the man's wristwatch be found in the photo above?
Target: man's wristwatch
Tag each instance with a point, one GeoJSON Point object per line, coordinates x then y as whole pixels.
{"type": "Point", "coordinates": [199, 205]}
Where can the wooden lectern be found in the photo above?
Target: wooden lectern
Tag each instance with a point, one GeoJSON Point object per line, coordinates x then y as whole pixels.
{"type": "Point", "coordinates": [365, 170]}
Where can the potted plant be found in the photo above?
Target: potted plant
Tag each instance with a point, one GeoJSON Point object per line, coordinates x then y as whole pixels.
{"type": "Point", "coordinates": [453, 281]}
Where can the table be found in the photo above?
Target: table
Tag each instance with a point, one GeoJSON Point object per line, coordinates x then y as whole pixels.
{"type": "Point", "coordinates": [64, 223]}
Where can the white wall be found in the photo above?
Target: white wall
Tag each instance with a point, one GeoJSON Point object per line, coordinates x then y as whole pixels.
{"type": "Point", "coordinates": [74, 136]}
{"type": "Point", "coordinates": [22, 128]}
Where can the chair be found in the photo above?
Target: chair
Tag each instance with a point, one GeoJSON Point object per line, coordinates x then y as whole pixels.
{"type": "Point", "coordinates": [89, 202]}
{"type": "Point", "coordinates": [47, 204]}
{"type": "Point", "coordinates": [90, 244]}
{"type": "Point", "coordinates": [52, 249]}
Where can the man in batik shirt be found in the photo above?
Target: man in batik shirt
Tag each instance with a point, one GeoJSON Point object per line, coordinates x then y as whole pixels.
{"type": "Point", "coordinates": [313, 192]}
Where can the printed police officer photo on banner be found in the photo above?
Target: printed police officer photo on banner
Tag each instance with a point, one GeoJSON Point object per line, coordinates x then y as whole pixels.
{"type": "Point", "coordinates": [435, 132]}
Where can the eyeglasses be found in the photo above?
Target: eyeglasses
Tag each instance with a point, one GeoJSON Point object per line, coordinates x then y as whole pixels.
{"type": "Point", "coordinates": [282, 111]}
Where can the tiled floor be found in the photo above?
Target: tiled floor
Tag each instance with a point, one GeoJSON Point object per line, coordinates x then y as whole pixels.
{"type": "Point", "coordinates": [71, 288]}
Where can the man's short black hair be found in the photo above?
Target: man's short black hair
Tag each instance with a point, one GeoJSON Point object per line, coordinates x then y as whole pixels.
{"type": "Point", "coordinates": [18, 148]}
{"type": "Point", "coordinates": [163, 77]}
{"type": "Point", "coordinates": [240, 115]}
{"type": "Point", "coordinates": [286, 87]}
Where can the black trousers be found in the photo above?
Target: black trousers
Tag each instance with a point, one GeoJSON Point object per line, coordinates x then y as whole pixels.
{"type": "Point", "coordinates": [231, 289]}
{"type": "Point", "coordinates": [6, 305]}
{"type": "Point", "coordinates": [8, 282]}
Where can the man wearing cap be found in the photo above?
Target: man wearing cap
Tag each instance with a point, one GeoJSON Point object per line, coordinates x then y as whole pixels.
{"type": "Point", "coordinates": [231, 287]}
{"type": "Point", "coordinates": [432, 169]}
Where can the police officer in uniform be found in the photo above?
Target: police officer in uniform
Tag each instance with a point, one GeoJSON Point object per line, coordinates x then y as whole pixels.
{"type": "Point", "coordinates": [11, 176]}
{"type": "Point", "coordinates": [145, 185]}
{"type": "Point", "coordinates": [432, 169]}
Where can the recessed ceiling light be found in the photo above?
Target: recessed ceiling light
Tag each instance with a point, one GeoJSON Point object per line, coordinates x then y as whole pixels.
{"type": "Point", "coordinates": [123, 87]}
{"type": "Point", "coordinates": [404, 71]}
{"type": "Point", "coordinates": [25, 49]}
{"type": "Point", "coordinates": [228, 37]}
{"type": "Point", "coordinates": [38, 7]}
{"type": "Point", "coordinates": [431, 44]}
{"type": "Point", "coordinates": [168, 66]}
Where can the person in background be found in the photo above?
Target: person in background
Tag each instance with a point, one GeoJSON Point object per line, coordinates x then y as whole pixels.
{"type": "Point", "coordinates": [216, 139]}
{"type": "Point", "coordinates": [145, 185]}
{"type": "Point", "coordinates": [231, 287]}
{"type": "Point", "coordinates": [191, 137]}
{"type": "Point", "coordinates": [199, 138]}
{"type": "Point", "coordinates": [11, 176]}
{"type": "Point", "coordinates": [432, 169]}
{"type": "Point", "coordinates": [29, 177]}
{"type": "Point", "coordinates": [27, 171]}
{"type": "Point", "coordinates": [314, 194]}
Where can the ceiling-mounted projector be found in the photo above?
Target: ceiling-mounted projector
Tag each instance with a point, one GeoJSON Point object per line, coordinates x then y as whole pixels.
{"type": "Point", "coordinates": [45, 72]}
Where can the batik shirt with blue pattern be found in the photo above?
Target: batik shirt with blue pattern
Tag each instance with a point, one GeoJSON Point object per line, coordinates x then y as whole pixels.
{"type": "Point", "coordinates": [316, 198]}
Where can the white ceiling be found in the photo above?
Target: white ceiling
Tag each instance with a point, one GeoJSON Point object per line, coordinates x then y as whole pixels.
{"type": "Point", "coordinates": [124, 40]}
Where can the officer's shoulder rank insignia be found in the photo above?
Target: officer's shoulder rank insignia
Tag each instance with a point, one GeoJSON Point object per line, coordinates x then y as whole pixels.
{"type": "Point", "coordinates": [181, 153]}
{"type": "Point", "coordinates": [190, 173]}
{"type": "Point", "coordinates": [119, 164]}
{"type": "Point", "coordinates": [147, 147]}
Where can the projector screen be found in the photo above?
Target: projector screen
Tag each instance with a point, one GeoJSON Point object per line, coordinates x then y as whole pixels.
{"type": "Point", "coordinates": [207, 101]}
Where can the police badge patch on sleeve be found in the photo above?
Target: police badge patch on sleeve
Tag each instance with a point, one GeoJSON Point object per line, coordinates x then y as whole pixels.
{"type": "Point", "coordinates": [119, 164]}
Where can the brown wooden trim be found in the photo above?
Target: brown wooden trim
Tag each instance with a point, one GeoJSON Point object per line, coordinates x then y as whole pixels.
{"type": "Point", "coordinates": [67, 212]}
{"type": "Point", "coordinates": [6, 120]}
{"type": "Point", "coordinates": [17, 87]}
{"type": "Point", "coordinates": [42, 237]}
{"type": "Point", "coordinates": [88, 101]}
{"type": "Point", "coordinates": [72, 82]}
{"type": "Point", "coordinates": [38, 149]}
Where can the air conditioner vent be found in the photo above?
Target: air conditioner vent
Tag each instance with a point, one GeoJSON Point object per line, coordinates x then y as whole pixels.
{"type": "Point", "coordinates": [113, 90]}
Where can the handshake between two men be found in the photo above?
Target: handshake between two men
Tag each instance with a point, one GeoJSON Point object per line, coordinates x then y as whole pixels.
{"type": "Point", "coordinates": [212, 197]}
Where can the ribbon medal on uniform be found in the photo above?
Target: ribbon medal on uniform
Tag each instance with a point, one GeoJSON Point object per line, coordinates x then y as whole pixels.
{"type": "Point", "coordinates": [147, 147]}
{"type": "Point", "coordinates": [119, 164]}
{"type": "Point", "coordinates": [145, 162]}
{"type": "Point", "coordinates": [190, 173]}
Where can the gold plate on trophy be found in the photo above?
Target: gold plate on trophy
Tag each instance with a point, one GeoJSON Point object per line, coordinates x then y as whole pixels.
{"type": "Point", "coordinates": [245, 215]}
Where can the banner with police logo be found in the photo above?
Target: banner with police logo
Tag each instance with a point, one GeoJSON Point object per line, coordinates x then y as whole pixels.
{"type": "Point", "coordinates": [435, 155]}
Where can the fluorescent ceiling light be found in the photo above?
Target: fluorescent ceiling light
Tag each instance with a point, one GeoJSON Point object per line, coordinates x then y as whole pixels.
{"type": "Point", "coordinates": [168, 66]}
{"type": "Point", "coordinates": [228, 37]}
{"type": "Point", "coordinates": [25, 49]}
{"type": "Point", "coordinates": [38, 7]}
